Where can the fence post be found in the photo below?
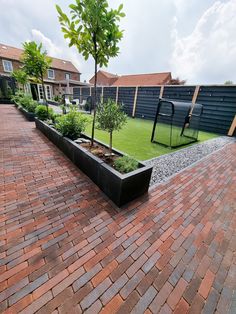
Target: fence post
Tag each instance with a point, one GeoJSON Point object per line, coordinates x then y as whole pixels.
{"type": "Point", "coordinates": [161, 91]}
{"type": "Point", "coordinates": [81, 97]}
{"type": "Point", "coordinates": [194, 99]}
{"type": "Point", "coordinates": [102, 94]}
{"type": "Point", "coordinates": [232, 128]}
{"type": "Point", "coordinates": [117, 93]}
{"type": "Point", "coordinates": [90, 91]}
{"type": "Point", "coordinates": [135, 101]}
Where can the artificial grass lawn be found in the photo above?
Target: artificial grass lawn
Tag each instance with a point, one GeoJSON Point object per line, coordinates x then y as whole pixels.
{"type": "Point", "coordinates": [135, 139]}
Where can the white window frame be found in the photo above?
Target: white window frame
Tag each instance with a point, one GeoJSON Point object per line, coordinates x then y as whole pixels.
{"type": "Point", "coordinates": [48, 91]}
{"type": "Point", "coordinates": [53, 76]}
{"type": "Point", "coordinates": [7, 65]}
{"type": "Point", "coordinates": [27, 88]}
{"type": "Point", "coordinates": [66, 75]}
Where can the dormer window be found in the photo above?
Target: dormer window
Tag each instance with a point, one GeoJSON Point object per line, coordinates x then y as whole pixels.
{"type": "Point", "coordinates": [7, 66]}
{"type": "Point", "coordinates": [67, 76]}
{"type": "Point", "coordinates": [51, 74]}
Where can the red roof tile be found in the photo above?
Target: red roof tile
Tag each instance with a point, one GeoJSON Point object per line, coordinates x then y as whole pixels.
{"type": "Point", "coordinates": [151, 79]}
{"type": "Point", "coordinates": [14, 53]}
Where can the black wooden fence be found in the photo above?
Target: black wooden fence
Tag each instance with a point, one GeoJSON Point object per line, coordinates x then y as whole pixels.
{"type": "Point", "coordinates": [219, 102]}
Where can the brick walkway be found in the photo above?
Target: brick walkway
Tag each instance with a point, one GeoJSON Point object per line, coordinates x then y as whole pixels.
{"type": "Point", "coordinates": [65, 249]}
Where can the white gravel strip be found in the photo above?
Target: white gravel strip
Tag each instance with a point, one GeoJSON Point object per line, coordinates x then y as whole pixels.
{"type": "Point", "coordinates": [170, 164]}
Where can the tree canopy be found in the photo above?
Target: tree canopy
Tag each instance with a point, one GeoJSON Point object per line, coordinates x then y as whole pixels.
{"type": "Point", "coordinates": [93, 29]}
{"type": "Point", "coordinates": [35, 60]}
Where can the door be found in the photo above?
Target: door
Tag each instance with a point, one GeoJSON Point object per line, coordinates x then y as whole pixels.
{"type": "Point", "coordinates": [48, 91]}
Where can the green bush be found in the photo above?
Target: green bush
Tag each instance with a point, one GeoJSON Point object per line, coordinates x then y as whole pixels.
{"type": "Point", "coordinates": [43, 114]}
{"type": "Point", "coordinates": [25, 100]}
{"type": "Point", "coordinates": [110, 118]}
{"type": "Point", "coordinates": [71, 124]}
{"type": "Point", "coordinates": [125, 164]}
{"type": "Point", "coordinates": [17, 97]}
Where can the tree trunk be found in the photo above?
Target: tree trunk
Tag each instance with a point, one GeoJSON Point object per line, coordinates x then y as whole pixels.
{"type": "Point", "coordinates": [110, 146]}
{"type": "Point", "coordinates": [95, 102]}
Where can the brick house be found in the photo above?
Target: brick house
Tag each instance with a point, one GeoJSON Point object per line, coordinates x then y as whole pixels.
{"type": "Point", "coordinates": [150, 79]}
{"type": "Point", "coordinates": [60, 79]}
{"type": "Point", "coordinates": [104, 78]}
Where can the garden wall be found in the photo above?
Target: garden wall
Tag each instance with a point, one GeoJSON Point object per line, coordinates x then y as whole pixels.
{"type": "Point", "coordinates": [219, 101]}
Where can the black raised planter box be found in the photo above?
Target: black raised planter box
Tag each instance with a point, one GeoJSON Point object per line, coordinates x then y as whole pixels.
{"type": "Point", "coordinates": [28, 115]}
{"type": "Point", "coordinates": [120, 188]}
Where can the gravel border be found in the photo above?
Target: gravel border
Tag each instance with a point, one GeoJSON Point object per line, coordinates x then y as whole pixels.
{"type": "Point", "coordinates": [167, 165]}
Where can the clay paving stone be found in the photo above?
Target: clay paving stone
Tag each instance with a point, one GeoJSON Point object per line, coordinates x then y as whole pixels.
{"type": "Point", "coordinates": [114, 289]}
{"type": "Point", "coordinates": [206, 284]}
{"type": "Point", "coordinates": [159, 253]}
{"type": "Point", "coordinates": [177, 293]}
{"type": "Point", "coordinates": [147, 281]}
{"type": "Point", "coordinates": [105, 272]}
{"type": "Point", "coordinates": [161, 297]}
{"type": "Point", "coordinates": [144, 301]}
{"type": "Point", "coordinates": [113, 305]}
{"type": "Point", "coordinates": [121, 269]}
{"type": "Point", "coordinates": [129, 303]}
{"type": "Point", "coordinates": [182, 307]}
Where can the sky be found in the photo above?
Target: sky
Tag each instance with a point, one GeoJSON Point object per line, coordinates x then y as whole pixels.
{"type": "Point", "coordinates": [193, 39]}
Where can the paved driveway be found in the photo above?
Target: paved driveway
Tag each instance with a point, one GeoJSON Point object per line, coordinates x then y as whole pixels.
{"type": "Point", "coordinates": [64, 248]}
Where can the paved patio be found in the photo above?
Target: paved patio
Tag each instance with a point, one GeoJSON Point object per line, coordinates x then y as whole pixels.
{"type": "Point", "coordinates": [64, 248]}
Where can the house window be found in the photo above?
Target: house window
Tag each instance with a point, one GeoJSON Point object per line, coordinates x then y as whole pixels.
{"type": "Point", "coordinates": [7, 65]}
{"type": "Point", "coordinates": [48, 91]}
{"type": "Point", "coordinates": [40, 91]}
{"type": "Point", "coordinates": [67, 76]}
{"type": "Point", "coordinates": [51, 74]}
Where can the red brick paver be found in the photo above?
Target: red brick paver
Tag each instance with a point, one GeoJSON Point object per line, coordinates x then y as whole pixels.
{"type": "Point", "coordinates": [65, 248]}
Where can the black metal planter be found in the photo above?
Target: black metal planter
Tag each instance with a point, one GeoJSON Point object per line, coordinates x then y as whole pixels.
{"type": "Point", "coordinates": [28, 115]}
{"type": "Point", "coordinates": [120, 188]}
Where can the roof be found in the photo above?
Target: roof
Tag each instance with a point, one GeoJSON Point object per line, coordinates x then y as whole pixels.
{"type": "Point", "coordinates": [151, 79]}
{"type": "Point", "coordinates": [14, 53]}
{"type": "Point", "coordinates": [108, 75]}
{"type": "Point", "coordinates": [104, 78]}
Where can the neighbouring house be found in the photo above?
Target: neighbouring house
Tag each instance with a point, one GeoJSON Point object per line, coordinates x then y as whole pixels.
{"type": "Point", "coordinates": [151, 79]}
{"type": "Point", "coordinates": [60, 79]}
{"type": "Point", "coordinates": [104, 78]}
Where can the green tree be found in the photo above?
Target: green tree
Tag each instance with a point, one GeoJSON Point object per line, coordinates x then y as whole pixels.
{"type": "Point", "coordinates": [110, 118]}
{"type": "Point", "coordinates": [21, 77]}
{"type": "Point", "coordinates": [93, 29]}
{"type": "Point", "coordinates": [36, 63]}
{"type": "Point", "coordinates": [229, 82]}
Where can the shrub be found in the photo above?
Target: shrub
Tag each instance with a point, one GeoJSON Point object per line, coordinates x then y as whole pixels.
{"type": "Point", "coordinates": [57, 98]}
{"type": "Point", "coordinates": [125, 164]}
{"type": "Point", "coordinates": [110, 118]}
{"type": "Point", "coordinates": [17, 97]}
{"type": "Point", "coordinates": [43, 114]}
{"type": "Point", "coordinates": [71, 124]}
{"type": "Point", "coordinates": [25, 100]}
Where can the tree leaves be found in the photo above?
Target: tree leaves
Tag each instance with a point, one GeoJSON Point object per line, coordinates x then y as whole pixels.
{"type": "Point", "coordinates": [93, 18]}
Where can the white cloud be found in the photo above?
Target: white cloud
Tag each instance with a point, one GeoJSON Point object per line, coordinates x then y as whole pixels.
{"type": "Point", "coordinates": [194, 39]}
{"type": "Point", "coordinates": [208, 54]}
{"type": "Point", "coordinates": [56, 51]}
{"type": "Point", "coordinates": [47, 43]}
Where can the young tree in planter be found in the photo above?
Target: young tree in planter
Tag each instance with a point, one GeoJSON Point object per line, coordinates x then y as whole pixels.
{"type": "Point", "coordinates": [92, 28]}
{"type": "Point", "coordinates": [110, 118]}
{"type": "Point", "coordinates": [21, 77]}
{"type": "Point", "coordinates": [36, 63]}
